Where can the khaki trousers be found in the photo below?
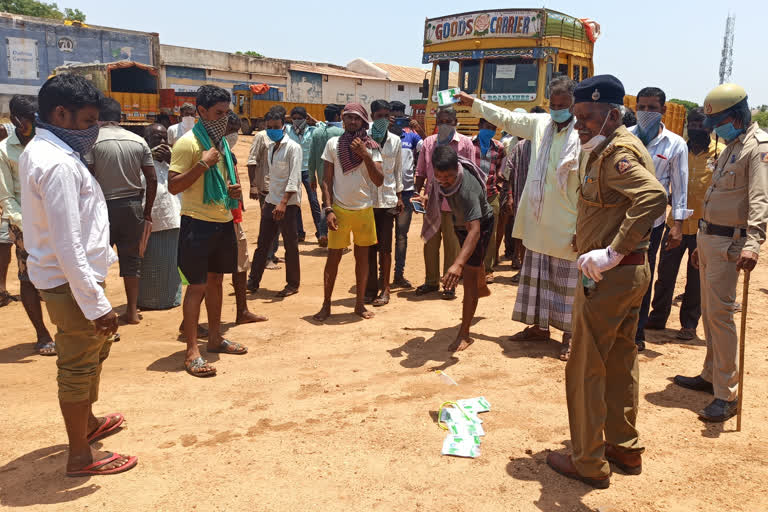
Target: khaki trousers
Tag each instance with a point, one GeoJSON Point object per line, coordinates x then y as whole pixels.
{"type": "Point", "coordinates": [717, 269]}
{"type": "Point", "coordinates": [80, 350]}
{"type": "Point", "coordinates": [602, 377]}
{"type": "Point", "coordinates": [490, 254]}
{"type": "Point", "coordinates": [432, 250]}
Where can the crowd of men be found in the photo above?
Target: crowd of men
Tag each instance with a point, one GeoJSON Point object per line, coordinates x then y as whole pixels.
{"type": "Point", "coordinates": [579, 193]}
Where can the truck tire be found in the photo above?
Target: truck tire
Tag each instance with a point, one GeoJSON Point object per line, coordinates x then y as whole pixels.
{"type": "Point", "coordinates": [245, 126]}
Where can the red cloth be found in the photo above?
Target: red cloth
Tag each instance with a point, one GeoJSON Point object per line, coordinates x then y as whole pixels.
{"type": "Point", "coordinates": [237, 214]}
{"type": "Point", "coordinates": [259, 88]}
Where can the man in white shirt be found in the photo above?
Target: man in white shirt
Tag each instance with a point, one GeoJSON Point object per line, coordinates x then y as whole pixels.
{"type": "Point", "coordinates": [387, 204]}
{"type": "Point", "coordinates": [175, 132]}
{"type": "Point", "coordinates": [23, 110]}
{"type": "Point", "coordinates": [352, 172]}
{"type": "Point", "coordinates": [670, 156]}
{"type": "Point", "coordinates": [282, 206]}
{"type": "Point", "coordinates": [66, 232]}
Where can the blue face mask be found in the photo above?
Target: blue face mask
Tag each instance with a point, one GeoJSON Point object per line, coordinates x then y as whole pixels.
{"type": "Point", "coordinates": [560, 116]}
{"type": "Point", "coordinates": [484, 137]}
{"type": "Point", "coordinates": [275, 135]}
{"type": "Point", "coordinates": [728, 132]}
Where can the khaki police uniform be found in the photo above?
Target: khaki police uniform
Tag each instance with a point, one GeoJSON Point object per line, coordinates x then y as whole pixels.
{"type": "Point", "coordinates": [619, 201]}
{"type": "Point", "coordinates": [734, 219]}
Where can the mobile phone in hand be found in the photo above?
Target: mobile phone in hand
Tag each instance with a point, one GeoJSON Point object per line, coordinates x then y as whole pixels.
{"type": "Point", "coordinates": [417, 206]}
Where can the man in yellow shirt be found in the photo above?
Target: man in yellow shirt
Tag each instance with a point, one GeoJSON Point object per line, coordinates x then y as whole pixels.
{"type": "Point", "coordinates": [202, 168]}
{"type": "Point", "coordinates": [702, 156]}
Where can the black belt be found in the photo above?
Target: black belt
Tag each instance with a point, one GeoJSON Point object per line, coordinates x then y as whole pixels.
{"type": "Point", "coordinates": [714, 229]}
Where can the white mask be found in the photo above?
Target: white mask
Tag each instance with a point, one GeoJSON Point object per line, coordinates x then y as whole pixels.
{"type": "Point", "coordinates": [231, 139]}
{"type": "Point", "coordinates": [595, 141]}
{"type": "Point", "coordinates": [188, 122]}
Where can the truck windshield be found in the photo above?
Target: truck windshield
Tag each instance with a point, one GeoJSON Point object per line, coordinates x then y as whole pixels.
{"type": "Point", "coordinates": [510, 77]}
{"type": "Point", "coordinates": [464, 74]}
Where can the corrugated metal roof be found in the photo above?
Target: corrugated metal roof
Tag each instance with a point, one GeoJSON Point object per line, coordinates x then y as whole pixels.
{"type": "Point", "coordinates": [330, 70]}
{"type": "Point", "coordinates": [406, 74]}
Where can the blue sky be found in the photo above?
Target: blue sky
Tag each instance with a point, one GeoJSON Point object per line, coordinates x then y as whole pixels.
{"type": "Point", "coordinates": [671, 44]}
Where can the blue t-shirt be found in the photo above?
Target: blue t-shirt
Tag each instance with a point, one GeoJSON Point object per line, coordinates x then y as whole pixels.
{"type": "Point", "coordinates": [411, 144]}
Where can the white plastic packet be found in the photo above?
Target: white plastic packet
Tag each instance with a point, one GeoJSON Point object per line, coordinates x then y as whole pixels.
{"type": "Point", "coordinates": [466, 429]}
{"type": "Point", "coordinates": [475, 405]}
{"type": "Point", "coordinates": [461, 446]}
{"type": "Point", "coordinates": [446, 97]}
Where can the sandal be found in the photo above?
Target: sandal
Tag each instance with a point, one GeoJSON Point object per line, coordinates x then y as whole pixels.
{"type": "Point", "coordinates": [199, 368]}
{"type": "Point", "coordinates": [107, 428]}
{"type": "Point", "coordinates": [528, 334]}
{"type": "Point", "coordinates": [6, 298]}
{"type": "Point", "coordinates": [686, 334]}
{"type": "Point", "coordinates": [46, 348]}
{"type": "Point", "coordinates": [229, 347]}
{"type": "Point", "coordinates": [426, 288]}
{"type": "Point", "coordinates": [565, 352]}
{"type": "Point", "coordinates": [287, 292]}
{"type": "Point", "coordinates": [93, 469]}
{"type": "Point", "coordinates": [448, 294]}
{"type": "Point", "coordinates": [380, 301]}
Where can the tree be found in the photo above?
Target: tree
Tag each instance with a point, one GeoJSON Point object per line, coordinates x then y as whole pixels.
{"type": "Point", "coordinates": [250, 53]}
{"type": "Point", "coordinates": [761, 118]}
{"type": "Point", "coordinates": [40, 9]}
{"type": "Point", "coordinates": [689, 105]}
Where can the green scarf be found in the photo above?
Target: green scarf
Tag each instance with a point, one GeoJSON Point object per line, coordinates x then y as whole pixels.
{"type": "Point", "coordinates": [215, 189]}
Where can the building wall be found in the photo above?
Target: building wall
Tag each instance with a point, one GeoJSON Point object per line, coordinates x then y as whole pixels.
{"type": "Point", "coordinates": [182, 78]}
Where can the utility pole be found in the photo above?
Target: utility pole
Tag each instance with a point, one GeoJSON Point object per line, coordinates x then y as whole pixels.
{"type": "Point", "coordinates": [726, 61]}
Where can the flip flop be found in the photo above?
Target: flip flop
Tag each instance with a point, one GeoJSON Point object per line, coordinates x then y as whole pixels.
{"type": "Point", "coordinates": [47, 348]}
{"type": "Point", "coordinates": [686, 334]}
{"type": "Point", "coordinates": [93, 469]}
{"type": "Point", "coordinates": [197, 364]}
{"type": "Point", "coordinates": [287, 292]}
{"type": "Point", "coordinates": [426, 288]}
{"type": "Point", "coordinates": [380, 301]}
{"type": "Point", "coordinates": [107, 428]}
{"type": "Point", "coordinates": [229, 347]}
{"type": "Point", "coordinates": [527, 335]}
{"type": "Point", "coordinates": [448, 294]}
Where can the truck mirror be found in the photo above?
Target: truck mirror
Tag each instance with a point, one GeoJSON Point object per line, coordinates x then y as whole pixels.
{"type": "Point", "coordinates": [550, 73]}
{"type": "Point", "coordinates": [425, 89]}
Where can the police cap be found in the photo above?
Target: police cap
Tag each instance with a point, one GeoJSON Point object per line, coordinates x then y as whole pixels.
{"type": "Point", "coordinates": [600, 89]}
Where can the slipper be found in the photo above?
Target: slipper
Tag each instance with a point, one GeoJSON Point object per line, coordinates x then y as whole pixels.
{"type": "Point", "coordinates": [46, 348]}
{"type": "Point", "coordinates": [489, 278]}
{"type": "Point", "coordinates": [197, 368]}
{"type": "Point", "coordinates": [426, 288]}
{"type": "Point", "coordinates": [380, 301]}
{"type": "Point", "coordinates": [686, 334]}
{"type": "Point", "coordinates": [115, 337]}
{"type": "Point", "coordinates": [515, 278]}
{"type": "Point", "coordinates": [528, 334]}
{"type": "Point", "coordinates": [368, 299]}
{"type": "Point", "coordinates": [287, 292]}
{"type": "Point", "coordinates": [107, 428]}
{"type": "Point", "coordinates": [448, 294]}
{"type": "Point", "coordinates": [6, 298]}
{"type": "Point", "coordinates": [93, 469]}
{"type": "Point", "coordinates": [229, 347]}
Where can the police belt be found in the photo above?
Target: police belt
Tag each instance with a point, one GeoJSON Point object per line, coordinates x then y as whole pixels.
{"type": "Point", "coordinates": [633, 258]}
{"type": "Point", "coordinates": [714, 229]}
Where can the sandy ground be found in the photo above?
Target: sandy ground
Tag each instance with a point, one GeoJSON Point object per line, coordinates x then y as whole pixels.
{"type": "Point", "coordinates": [341, 416]}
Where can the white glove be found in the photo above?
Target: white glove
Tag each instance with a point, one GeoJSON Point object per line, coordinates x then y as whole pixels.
{"type": "Point", "coordinates": [594, 263]}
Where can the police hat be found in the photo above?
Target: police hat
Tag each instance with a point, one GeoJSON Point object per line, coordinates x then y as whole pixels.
{"type": "Point", "coordinates": [600, 89]}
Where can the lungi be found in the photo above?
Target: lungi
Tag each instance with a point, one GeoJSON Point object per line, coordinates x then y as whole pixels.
{"type": "Point", "coordinates": [160, 283]}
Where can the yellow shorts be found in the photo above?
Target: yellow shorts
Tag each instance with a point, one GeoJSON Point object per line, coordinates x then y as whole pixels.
{"type": "Point", "coordinates": [358, 222]}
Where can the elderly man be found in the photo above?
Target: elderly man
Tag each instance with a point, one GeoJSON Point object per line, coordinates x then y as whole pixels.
{"type": "Point", "coordinates": [620, 199]}
{"type": "Point", "coordinates": [546, 215]}
{"type": "Point", "coordinates": [731, 231]}
{"type": "Point", "coordinates": [176, 131]}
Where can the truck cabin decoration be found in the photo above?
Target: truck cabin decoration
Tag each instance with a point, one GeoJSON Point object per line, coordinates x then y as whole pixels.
{"type": "Point", "coordinates": [511, 23]}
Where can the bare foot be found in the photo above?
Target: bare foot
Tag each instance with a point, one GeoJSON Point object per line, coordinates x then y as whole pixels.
{"type": "Point", "coordinates": [324, 313]}
{"type": "Point", "coordinates": [248, 318]}
{"type": "Point", "coordinates": [461, 343]}
{"type": "Point", "coordinates": [484, 292]}
{"type": "Point", "coordinates": [128, 318]}
{"type": "Point", "coordinates": [364, 313]}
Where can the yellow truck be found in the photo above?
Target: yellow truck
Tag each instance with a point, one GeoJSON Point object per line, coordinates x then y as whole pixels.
{"type": "Point", "coordinates": [252, 105]}
{"type": "Point", "coordinates": [508, 56]}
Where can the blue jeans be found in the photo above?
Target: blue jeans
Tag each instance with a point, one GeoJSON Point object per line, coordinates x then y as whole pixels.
{"type": "Point", "coordinates": [653, 250]}
{"type": "Point", "coordinates": [402, 225]}
{"type": "Point", "coordinates": [317, 217]}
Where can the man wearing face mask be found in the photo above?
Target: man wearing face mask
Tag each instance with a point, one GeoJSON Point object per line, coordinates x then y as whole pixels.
{"type": "Point", "coordinates": [490, 155]}
{"type": "Point", "coordinates": [546, 215]}
{"type": "Point", "coordinates": [176, 131]}
{"type": "Point", "coordinates": [202, 168]}
{"type": "Point", "coordinates": [702, 155]}
{"type": "Point", "coordinates": [619, 200]}
{"type": "Point", "coordinates": [322, 134]}
{"type": "Point", "coordinates": [670, 159]}
{"type": "Point", "coordinates": [731, 231]}
{"type": "Point", "coordinates": [301, 130]}
{"type": "Point", "coordinates": [66, 232]}
{"type": "Point", "coordinates": [439, 227]}
{"type": "Point", "coordinates": [23, 110]}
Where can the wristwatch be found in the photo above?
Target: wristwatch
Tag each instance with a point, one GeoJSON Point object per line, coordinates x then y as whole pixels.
{"type": "Point", "coordinates": [327, 210]}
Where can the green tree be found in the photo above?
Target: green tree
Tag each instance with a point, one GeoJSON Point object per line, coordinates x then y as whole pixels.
{"type": "Point", "coordinates": [761, 118]}
{"type": "Point", "coordinates": [689, 105]}
{"type": "Point", "coordinates": [40, 9]}
{"type": "Point", "coordinates": [250, 53]}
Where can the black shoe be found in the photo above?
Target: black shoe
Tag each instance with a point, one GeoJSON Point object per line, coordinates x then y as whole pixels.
{"type": "Point", "coordinates": [640, 345]}
{"type": "Point", "coordinates": [302, 238]}
{"type": "Point", "coordinates": [695, 383]}
{"type": "Point", "coordinates": [401, 282]}
{"type": "Point", "coordinates": [719, 411]}
{"type": "Point", "coordinates": [655, 326]}
{"type": "Point", "coordinates": [426, 288]}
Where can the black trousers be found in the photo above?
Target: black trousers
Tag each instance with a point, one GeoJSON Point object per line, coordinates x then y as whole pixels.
{"type": "Point", "coordinates": [385, 223]}
{"type": "Point", "coordinates": [663, 293]}
{"type": "Point", "coordinates": [645, 307]}
{"type": "Point", "coordinates": [268, 230]}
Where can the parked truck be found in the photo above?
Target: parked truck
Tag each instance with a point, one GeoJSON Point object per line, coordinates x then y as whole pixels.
{"type": "Point", "coordinates": [251, 103]}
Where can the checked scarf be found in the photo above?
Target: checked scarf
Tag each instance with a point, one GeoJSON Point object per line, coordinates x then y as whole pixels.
{"type": "Point", "coordinates": [349, 160]}
{"type": "Point", "coordinates": [214, 186]}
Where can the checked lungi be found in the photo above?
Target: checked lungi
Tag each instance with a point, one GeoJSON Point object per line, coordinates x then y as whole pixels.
{"type": "Point", "coordinates": [546, 291]}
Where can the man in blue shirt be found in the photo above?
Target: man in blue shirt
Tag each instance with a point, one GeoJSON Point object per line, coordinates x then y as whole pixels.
{"type": "Point", "coordinates": [301, 130]}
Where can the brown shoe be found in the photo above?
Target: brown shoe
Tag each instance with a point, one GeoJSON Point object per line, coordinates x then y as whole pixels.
{"type": "Point", "coordinates": [564, 465]}
{"type": "Point", "coordinates": [630, 463]}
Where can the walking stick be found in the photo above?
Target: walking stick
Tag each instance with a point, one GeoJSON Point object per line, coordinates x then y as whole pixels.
{"type": "Point", "coordinates": [744, 302]}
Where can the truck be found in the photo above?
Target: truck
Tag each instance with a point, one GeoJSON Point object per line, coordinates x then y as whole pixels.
{"type": "Point", "coordinates": [251, 103]}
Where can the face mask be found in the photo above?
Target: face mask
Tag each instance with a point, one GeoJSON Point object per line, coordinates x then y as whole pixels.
{"type": "Point", "coordinates": [728, 132]}
{"type": "Point", "coordinates": [595, 141]}
{"type": "Point", "coordinates": [299, 125]}
{"type": "Point", "coordinates": [699, 138]}
{"type": "Point", "coordinates": [231, 139]}
{"type": "Point", "coordinates": [445, 133]}
{"type": "Point", "coordinates": [560, 116]}
{"type": "Point", "coordinates": [275, 134]}
{"type": "Point", "coordinates": [484, 137]}
{"type": "Point", "coordinates": [379, 128]}
{"type": "Point", "coordinates": [337, 124]}
{"type": "Point", "coordinates": [188, 122]}
{"type": "Point", "coordinates": [81, 141]}
{"type": "Point", "coordinates": [648, 125]}
{"type": "Point", "coordinates": [216, 129]}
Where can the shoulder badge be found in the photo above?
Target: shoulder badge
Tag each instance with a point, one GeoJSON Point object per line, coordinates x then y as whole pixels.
{"type": "Point", "coordinates": [764, 157]}
{"type": "Point", "coordinates": [623, 165]}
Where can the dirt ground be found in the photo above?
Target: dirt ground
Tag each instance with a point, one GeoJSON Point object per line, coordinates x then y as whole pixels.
{"type": "Point", "coordinates": [341, 416]}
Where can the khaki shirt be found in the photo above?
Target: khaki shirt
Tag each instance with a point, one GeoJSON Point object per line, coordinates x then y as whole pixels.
{"type": "Point", "coordinates": [620, 197]}
{"type": "Point", "coordinates": [738, 196]}
{"type": "Point", "coordinates": [258, 157]}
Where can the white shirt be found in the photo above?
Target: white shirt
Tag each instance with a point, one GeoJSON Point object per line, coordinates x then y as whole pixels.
{"type": "Point", "coordinates": [66, 228]}
{"type": "Point", "coordinates": [385, 196]}
{"type": "Point", "coordinates": [670, 156]}
{"type": "Point", "coordinates": [284, 171]}
{"type": "Point", "coordinates": [166, 210]}
{"type": "Point", "coordinates": [175, 132]}
{"type": "Point", "coordinates": [353, 190]}
{"type": "Point", "coordinates": [10, 188]}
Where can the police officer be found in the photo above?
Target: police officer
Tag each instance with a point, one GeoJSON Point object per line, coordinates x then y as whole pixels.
{"type": "Point", "coordinates": [731, 231]}
{"type": "Point", "coordinates": [620, 198]}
